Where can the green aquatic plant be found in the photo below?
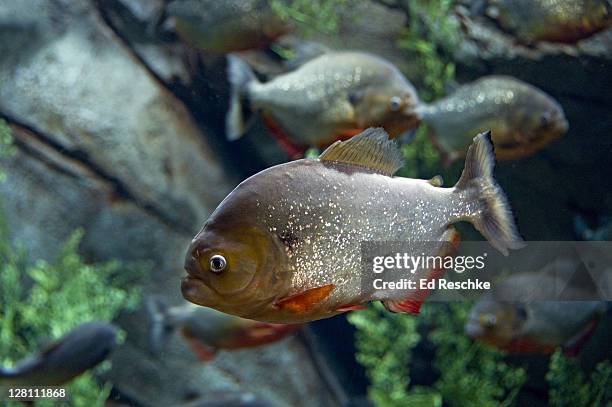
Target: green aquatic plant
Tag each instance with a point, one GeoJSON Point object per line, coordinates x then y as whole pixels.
{"type": "Point", "coordinates": [385, 342]}
{"type": "Point", "coordinates": [312, 16]}
{"type": "Point", "coordinates": [44, 300]}
{"type": "Point", "coordinates": [429, 40]}
{"type": "Point", "coordinates": [7, 149]}
{"type": "Point", "coordinates": [569, 386]}
{"type": "Point", "coordinates": [465, 365]}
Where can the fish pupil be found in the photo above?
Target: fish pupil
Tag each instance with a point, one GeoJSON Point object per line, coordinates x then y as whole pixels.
{"type": "Point", "coordinates": [217, 263]}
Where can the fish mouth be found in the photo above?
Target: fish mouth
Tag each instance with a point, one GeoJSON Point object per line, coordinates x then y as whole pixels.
{"type": "Point", "coordinates": [562, 126]}
{"type": "Point", "coordinates": [193, 288]}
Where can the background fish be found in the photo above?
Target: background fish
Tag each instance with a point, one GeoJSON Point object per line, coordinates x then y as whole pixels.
{"type": "Point", "coordinates": [528, 325]}
{"type": "Point", "coordinates": [207, 330]}
{"type": "Point", "coordinates": [603, 231]}
{"type": "Point", "coordinates": [522, 118]}
{"type": "Point", "coordinates": [81, 349]}
{"type": "Point", "coordinates": [334, 96]}
{"type": "Point", "coordinates": [229, 400]}
{"type": "Point", "coordinates": [284, 246]}
{"type": "Point", "coordinates": [565, 21]}
{"type": "Point", "coordinates": [226, 26]}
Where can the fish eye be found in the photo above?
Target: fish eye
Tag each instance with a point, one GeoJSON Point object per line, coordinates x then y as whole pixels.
{"type": "Point", "coordinates": [217, 263]}
{"type": "Point", "coordinates": [488, 320]}
{"type": "Point", "coordinates": [395, 103]}
{"type": "Point", "coordinates": [544, 119]}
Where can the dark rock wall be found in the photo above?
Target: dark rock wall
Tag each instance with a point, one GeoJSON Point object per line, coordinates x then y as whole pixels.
{"type": "Point", "coordinates": [103, 144]}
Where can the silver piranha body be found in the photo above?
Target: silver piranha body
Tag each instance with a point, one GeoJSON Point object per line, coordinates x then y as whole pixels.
{"type": "Point", "coordinates": [333, 96]}
{"type": "Point", "coordinates": [565, 21]}
{"type": "Point", "coordinates": [522, 118]}
{"type": "Point", "coordinates": [284, 246]}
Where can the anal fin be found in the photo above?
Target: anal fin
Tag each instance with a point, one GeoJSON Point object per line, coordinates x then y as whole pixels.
{"type": "Point", "coordinates": [284, 141]}
{"type": "Point", "coordinates": [346, 308]}
{"type": "Point", "coordinates": [412, 304]}
{"type": "Point", "coordinates": [203, 352]}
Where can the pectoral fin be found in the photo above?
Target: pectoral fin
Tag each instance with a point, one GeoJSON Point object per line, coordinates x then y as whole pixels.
{"type": "Point", "coordinates": [203, 352]}
{"type": "Point", "coordinates": [347, 308]}
{"type": "Point", "coordinates": [304, 301]}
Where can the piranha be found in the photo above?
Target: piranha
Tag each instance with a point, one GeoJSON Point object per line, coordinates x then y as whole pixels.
{"type": "Point", "coordinates": [521, 117]}
{"type": "Point", "coordinates": [333, 96]}
{"type": "Point", "coordinates": [508, 318]}
{"type": "Point", "coordinates": [81, 349]}
{"type": "Point", "coordinates": [207, 331]}
{"type": "Point", "coordinates": [563, 21]}
{"type": "Point", "coordinates": [284, 246]}
{"type": "Point", "coordinates": [226, 26]}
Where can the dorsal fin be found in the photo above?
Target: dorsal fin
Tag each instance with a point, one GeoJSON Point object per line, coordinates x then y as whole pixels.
{"type": "Point", "coordinates": [371, 149]}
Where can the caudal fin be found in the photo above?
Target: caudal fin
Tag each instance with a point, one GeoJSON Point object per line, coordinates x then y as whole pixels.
{"type": "Point", "coordinates": [239, 75]}
{"type": "Point", "coordinates": [492, 217]}
{"type": "Point", "coordinates": [160, 328]}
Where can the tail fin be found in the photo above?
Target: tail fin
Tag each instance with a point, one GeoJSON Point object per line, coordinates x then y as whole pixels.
{"type": "Point", "coordinates": [493, 215]}
{"type": "Point", "coordinates": [160, 326]}
{"type": "Point", "coordinates": [239, 75]}
{"type": "Point", "coordinates": [582, 228]}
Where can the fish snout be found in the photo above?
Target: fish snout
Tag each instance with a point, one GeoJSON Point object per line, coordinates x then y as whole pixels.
{"type": "Point", "coordinates": [192, 259]}
{"type": "Point", "coordinates": [562, 125]}
{"type": "Point", "coordinates": [194, 287]}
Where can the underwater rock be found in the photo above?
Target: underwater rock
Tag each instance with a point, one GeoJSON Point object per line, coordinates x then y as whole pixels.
{"type": "Point", "coordinates": [103, 145]}
{"type": "Point", "coordinates": [86, 93]}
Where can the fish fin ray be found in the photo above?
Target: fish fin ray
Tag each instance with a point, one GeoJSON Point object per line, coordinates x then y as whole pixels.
{"type": "Point", "coordinates": [412, 307]}
{"type": "Point", "coordinates": [371, 149]}
{"type": "Point", "coordinates": [240, 76]}
{"type": "Point", "coordinates": [528, 345]}
{"type": "Point", "coordinates": [160, 328]}
{"type": "Point", "coordinates": [494, 220]}
{"type": "Point", "coordinates": [282, 138]}
{"type": "Point", "coordinates": [304, 301]}
{"type": "Point", "coordinates": [575, 344]}
{"type": "Point", "coordinates": [354, 307]}
{"type": "Point", "coordinates": [203, 352]}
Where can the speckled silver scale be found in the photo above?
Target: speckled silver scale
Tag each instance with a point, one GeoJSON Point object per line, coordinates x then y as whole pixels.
{"type": "Point", "coordinates": [330, 208]}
